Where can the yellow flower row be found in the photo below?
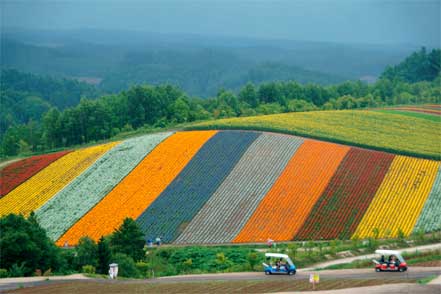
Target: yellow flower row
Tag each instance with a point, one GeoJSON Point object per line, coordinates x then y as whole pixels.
{"type": "Point", "coordinates": [33, 193]}
{"type": "Point", "coordinates": [399, 199]}
{"type": "Point", "coordinates": [390, 132]}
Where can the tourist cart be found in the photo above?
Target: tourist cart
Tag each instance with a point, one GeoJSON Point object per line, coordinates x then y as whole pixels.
{"type": "Point", "coordinates": [277, 263]}
{"type": "Point", "coordinates": [389, 260]}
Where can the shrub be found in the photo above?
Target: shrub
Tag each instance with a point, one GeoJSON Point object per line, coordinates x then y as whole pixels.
{"type": "Point", "coordinates": [88, 269]}
{"type": "Point", "coordinates": [17, 270]}
{"type": "Point", "coordinates": [126, 266]}
{"type": "Point", "coordinates": [143, 268]}
{"type": "Point", "coordinates": [252, 259]}
{"type": "Point", "coordinates": [3, 273]}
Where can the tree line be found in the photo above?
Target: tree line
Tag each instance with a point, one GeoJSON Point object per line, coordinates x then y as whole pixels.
{"type": "Point", "coordinates": [146, 106]}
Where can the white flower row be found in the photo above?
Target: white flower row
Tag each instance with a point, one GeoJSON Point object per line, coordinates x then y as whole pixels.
{"type": "Point", "coordinates": [76, 199]}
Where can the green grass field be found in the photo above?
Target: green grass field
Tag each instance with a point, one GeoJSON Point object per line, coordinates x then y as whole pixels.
{"type": "Point", "coordinates": [431, 117]}
{"type": "Point", "coordinates": [395, 133]}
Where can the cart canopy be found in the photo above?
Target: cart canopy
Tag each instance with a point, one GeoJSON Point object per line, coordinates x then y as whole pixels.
{"type": "Point", "coordinates": [279, 255]}
{"type": "Point", "coordinates": [389, 253]}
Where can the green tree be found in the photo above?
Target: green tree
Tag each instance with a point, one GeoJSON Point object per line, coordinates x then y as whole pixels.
{"type": "Point", "coordinates": [24, 244]}
{"type": "Point", "coordinates": [179, 110]}
{"type": "Point", "coordinates": [104, 255]}
{"type": "Point", "coordinates": [86, 253]}
{"type": "Point", "coordinates": [128, 239]}
{"type": "Point", "coordinates": [10, 143]}
{"type": "Point", "coordinates": [52, 128]}
{"type": "Point", "coordinates": [248, 94]}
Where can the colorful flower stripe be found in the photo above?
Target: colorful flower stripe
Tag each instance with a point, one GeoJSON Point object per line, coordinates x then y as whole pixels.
{"type": "Point", "coordinates": [347, 197]}
{"type": "Point", "coordinates": [422, 110]}
{"type": "Point", "coordinates": [400, 198]}
{"type": "Point", "coordinates": [385, 131]}
{"type": "Point", "coordinates": [91, 186]}
{"type": "Point", "coordinates": [33, 193]}
{"type": "Point", "coordinates": [140, 188]}
{"type": "Point", "coordinates": [286, 206]}
{"type": "Point", "coordinates": [168, 215]}
{"type": "Point", "coordinates": [430, 217]}
{"type": "Point", "coordinates": [228, 209]}
{"type": "Point", "coordinates": [19, 171]}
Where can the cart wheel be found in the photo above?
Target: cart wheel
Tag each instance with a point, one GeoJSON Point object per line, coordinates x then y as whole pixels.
{"type": "Point", "coordinates": [291, 273]}
{"type": "Point", "coordinates": [267, 273]}
{"type": "Point", "coordinates": [378, 270]}
{"type": "Point", "coordinates": [402, 269]}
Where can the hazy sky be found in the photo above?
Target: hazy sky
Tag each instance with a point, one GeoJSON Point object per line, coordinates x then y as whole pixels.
{"type": "Point", "coordinates": [350, 21]}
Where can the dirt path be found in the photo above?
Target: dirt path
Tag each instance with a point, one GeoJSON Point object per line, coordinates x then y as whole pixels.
{"type": "Point", "coordinates": [412, 275]}
{"type": "Point", "coordinates": [423, 248]}
{"type": "Point", "coordinates": [12, 283]}
{"type": "Point", "coordinates": [382, 289]}
{"type": "Point", "coordinates": [5, 163]}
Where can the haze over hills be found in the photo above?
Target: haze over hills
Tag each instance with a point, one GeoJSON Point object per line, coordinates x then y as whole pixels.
{"type": "Point", "coordinates": [200, 65]}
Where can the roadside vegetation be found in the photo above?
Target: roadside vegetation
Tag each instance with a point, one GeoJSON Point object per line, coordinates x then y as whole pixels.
{"type": "Point", "coordinates": [27, 251]}
{"type": "Point", "coordinates": [416, 258]}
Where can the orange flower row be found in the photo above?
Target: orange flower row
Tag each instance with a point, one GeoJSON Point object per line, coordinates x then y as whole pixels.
{"type": "Point", "coordinates": [287, 205]}
{"type": "Point", "coordinates": [140, 188]}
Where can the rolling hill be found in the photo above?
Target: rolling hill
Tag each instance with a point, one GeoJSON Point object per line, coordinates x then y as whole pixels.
{"type": "Point", "coordinates": [410, 131]}
{"type": "Point", "coordinates": [233, 186]}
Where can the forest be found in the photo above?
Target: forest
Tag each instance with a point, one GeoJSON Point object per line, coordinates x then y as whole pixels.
{"type": "Point", "coordinates": [56, 120]}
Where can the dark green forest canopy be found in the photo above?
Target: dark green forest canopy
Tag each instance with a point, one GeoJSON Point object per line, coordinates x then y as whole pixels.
{"type": "Point", "coordinates": [198, 65]}
{"type": "Point", "coordinates": [166, 105]}
{"type": "Point", "coordinates": [26, 97]}
{"type": "Point", "coordinates": [420, 66]}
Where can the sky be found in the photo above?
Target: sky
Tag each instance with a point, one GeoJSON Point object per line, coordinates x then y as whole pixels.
{"type": "Point", "coordinates": [414, 22]}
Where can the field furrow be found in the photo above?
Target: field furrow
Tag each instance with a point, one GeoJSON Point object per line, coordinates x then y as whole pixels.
{"type": "Point", "coordinates": [91, 186]}
{"type": "Point", "coordinates": [140, 188]}
{"type": "Point", "coordinates": [228, 209]}
{"type": "Point", "coordinates": [168, 215]}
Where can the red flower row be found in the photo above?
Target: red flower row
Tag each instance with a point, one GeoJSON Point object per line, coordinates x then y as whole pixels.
{"type": "Point", "coordinates": [18, 172]}
{"type": "Point", "coordinates": [342, 205]}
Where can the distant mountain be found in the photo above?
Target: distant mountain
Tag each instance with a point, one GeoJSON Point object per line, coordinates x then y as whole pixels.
{"type": "Point", "coordinates": [26, 96]}
{"type": "Point", "coordinates": [201, 65]}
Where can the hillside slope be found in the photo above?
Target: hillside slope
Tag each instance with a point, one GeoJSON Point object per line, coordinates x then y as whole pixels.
{"type": "Point", "coordinates": [385, 131]}
{"type": "Point", "coordinates": [231, 186]}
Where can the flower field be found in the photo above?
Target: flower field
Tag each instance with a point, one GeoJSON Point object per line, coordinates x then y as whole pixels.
{"type": "Point", "coordinates": [230, 187]}
{"type": "Point", "coordinates": [400, 198]}
{"type": "Point", "coordinates": [287, 205]}
{"type": "Point", "coordinates": [19, 171]}
{"type": "Point", "coordinates": [33, 193]}
{"type": "Point", "coordinates": [96, 182]}
{"type": "Point", "coordinates": [140, 188]}
{"type": "Point", "coordinates": [347, 196]}
{"type": "Point", "coordinates": [372, 129]}
{"type": "Point", "coordinates": [168, 215]}
{"type": "Point", "coordinates": [227, 210]}
{"type": "Point", "coordinates": [430, 218]}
